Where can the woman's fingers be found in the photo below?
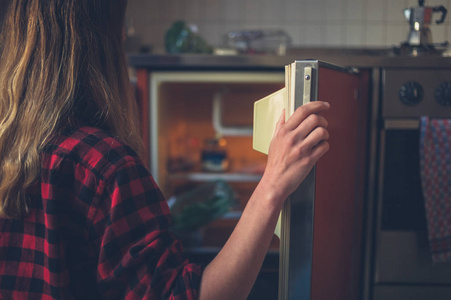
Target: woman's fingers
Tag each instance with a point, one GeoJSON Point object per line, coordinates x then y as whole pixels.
{"type": "Point", "coordinates": [309, 124]}
{"type": "Point", "coordinates": [315, 138]}
{"type": "Point", "coordinates": [312, 129]}
{"type": "Point", "coordinates": [295, 147]}
{"type": "Point", "coordinates": [301, 113]}
{"type": "Point", "coordinates": [320, 149]}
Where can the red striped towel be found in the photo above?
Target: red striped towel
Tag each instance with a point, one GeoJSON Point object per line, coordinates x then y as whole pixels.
{"type": "Point", "coordinates": [435, 162]}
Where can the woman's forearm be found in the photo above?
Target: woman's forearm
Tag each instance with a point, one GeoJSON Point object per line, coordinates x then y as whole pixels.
{"type": "Point", "coordinates": [233, 272]}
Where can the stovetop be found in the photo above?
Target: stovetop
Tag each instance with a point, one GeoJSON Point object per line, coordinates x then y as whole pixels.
{"type": "Point", "coordinates": [436, 49]}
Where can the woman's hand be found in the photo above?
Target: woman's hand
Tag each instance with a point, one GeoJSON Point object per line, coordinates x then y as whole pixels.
{"type": "Point", "coordinates": [296, 146]}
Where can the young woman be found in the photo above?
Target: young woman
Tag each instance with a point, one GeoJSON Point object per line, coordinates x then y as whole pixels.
{"type": "Point", "coordinates": [80, 216]}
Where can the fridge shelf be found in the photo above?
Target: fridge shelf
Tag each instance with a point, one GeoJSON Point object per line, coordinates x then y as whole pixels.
{"type": "Point", "coordinates": [205, 176]}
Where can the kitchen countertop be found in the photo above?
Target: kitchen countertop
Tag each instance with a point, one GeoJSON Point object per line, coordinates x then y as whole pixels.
{"type": "Point", "coordinates": [359, 58]}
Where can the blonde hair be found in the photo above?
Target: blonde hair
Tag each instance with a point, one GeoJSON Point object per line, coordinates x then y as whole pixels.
{"type": "Point", "coordinates": [61, 61]}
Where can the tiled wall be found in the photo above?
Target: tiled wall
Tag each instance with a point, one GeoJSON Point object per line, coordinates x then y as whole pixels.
{"type": "Point", "coordinates": [333, 23]}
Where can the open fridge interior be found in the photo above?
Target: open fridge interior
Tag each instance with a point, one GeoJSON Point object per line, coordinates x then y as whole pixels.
{"type": "Point", "coordinates": [202, 156]}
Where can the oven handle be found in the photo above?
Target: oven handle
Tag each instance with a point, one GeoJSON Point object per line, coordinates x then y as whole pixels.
{"type": "Point", "coordinates": [401, 124]}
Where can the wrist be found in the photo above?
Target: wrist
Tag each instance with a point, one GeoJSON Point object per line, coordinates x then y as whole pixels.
{"type": "Point", "coordinates": [271, 194]}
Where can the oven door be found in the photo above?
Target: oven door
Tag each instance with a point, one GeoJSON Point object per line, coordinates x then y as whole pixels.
{"type": "Point", "coordinates": [403, 257]}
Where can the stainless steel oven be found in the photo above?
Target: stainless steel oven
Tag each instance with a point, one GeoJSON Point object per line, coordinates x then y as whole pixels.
{"type": "Point", "coordinates": [402, 266]}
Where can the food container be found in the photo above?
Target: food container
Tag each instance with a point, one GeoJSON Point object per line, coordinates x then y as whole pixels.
{"type": "Point", "coordinates": [214, 155]}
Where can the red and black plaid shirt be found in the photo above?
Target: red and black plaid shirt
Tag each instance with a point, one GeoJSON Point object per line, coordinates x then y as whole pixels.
{"type": "Point", "coordinates": [97, 229]}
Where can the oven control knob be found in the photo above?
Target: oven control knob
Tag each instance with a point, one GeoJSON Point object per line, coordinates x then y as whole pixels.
{"type": "Point", "coordinates": [443, 94]}
{"type": "Point", "coordinates": [411, 93]}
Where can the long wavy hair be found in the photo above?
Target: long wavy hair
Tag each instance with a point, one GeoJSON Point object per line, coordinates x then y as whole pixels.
{"type": "Point", "coordinates": [62, 61]}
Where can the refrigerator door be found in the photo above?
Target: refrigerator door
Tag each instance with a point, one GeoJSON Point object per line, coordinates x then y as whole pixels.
{"type": "Point", "coordinates": [321, 221]}
{"type": "Point", "coordinates": [339, 191]}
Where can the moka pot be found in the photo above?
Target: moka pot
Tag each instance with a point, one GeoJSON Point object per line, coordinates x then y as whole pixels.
{"type": "Point", "coordinates": [419, 19]}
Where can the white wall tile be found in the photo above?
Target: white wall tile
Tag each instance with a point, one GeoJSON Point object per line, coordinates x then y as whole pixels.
{"type": "Point", "coordinates": [439, 33]}
{"type": "Point", "coordinates": [447, 5]}
{"type": "Point", "coordinates": [273, 10]}
{"type": "Point", "coordinates": [311, 34]}
{"type": "Point", "coordinates": [252, 10]}
{"type": "Point", "coordinates": [334, 35]}
{"type": "Point", "coordinates": [355, 10]}
{"type": "Point", "coordinates": [193, 10]}
{"type": "Point", "coordinates": [214, 10]}
{"type": "Point", "coordinates": [435, 2]}
{"type": "Point", "coordinates": [173, 9]}
{"type": "Point", "coordinates": [334, 10]}
{"type": "Point", "coordinates": [395, 10]}
{"type": "Point", "coordinates": [148, 10]}
{"type": "Point", "coordinates": [294, 10]}
{"type": "Point", "coordinates": [412, 3]}
{"type": "Point", "coordinates": [396, 34]}
{"type": "Point", "coordinates": [272, 25]}
{"type": "Point", "coordinates": [314, 11]}
{"type": "Point", "coordinates": [375, 34]}
{"type": "Point", "coordinates": [309, 22]}
{"type": "Point", "coordinates": [293, 30]}
{"type": "Point", "coordinates": [376, 10]}
{"type": "Point", "coordinates": [354, 34]}
{"type": "Point", "coordinates": [448, 36]}
{"type": "Point", "coordinates": [233, 10]}
{"type": "Point", "coordinates": [254, 25]}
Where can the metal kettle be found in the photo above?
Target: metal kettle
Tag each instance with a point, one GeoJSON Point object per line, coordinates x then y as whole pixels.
{"type": "Point", "coordinates": [419, 19]}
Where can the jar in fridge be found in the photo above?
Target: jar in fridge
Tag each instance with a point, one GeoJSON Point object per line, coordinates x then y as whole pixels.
{"type": "Point", "coordinates": [214, 155]}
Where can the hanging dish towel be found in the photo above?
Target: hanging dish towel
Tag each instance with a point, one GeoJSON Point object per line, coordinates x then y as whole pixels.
{"type": "Point", "coordinates": [435, 162]}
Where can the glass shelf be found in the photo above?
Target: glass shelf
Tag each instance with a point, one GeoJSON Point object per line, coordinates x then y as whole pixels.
{"type": "Point", "coordinates": [205, 176]}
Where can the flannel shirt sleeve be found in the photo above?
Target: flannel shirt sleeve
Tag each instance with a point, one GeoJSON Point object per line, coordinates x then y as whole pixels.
{"type": "Point", "coordinates": [139, 258]}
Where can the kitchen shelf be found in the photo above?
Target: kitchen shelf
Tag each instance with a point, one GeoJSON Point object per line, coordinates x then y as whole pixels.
{"type": "Point", "coordinates": [205, 176]}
